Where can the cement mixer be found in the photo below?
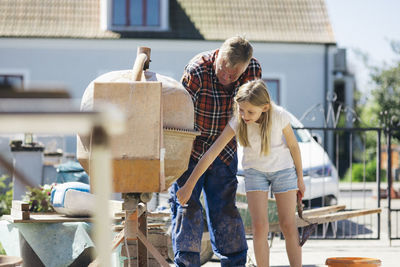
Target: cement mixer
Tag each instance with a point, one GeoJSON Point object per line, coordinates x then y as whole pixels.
{"type": "Point", "coordinates": [155, 149]}
{"type": "Point", "coordinates": [138, 155]}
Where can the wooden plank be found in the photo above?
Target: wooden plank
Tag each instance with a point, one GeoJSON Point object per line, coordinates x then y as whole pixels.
{"type": "Point", "coordinates": [121, 214]}
{"type": "Point", "coordinates": [142, 249]}
{"type": "Point", "coordinates": [341, 215]}
{"type": "Point", "coordinates": [118, 239]}
{"type": "Point", "coordinates": [141, 104]}
{"type": "Point", "coordinates": [155, 225]}
{"type": "Point", "coordinates": [131, 224]}
{"type": "Point", "coordinates": [324, 218]}
{"type": "Point", "coordinates": [137, 157]}
{"type": "Point", "coordinates": [118, 228]}
{"type": "Point", "coordinates": [46, 218]}
{"type": "Point", "coordinates": [137, 175]}
{"type": "Point", "coordinates": [323, 210]}
{"type": "Point", "coordinates": [156, 254]}
{"type": "Point", "coordinates": [158, 214]}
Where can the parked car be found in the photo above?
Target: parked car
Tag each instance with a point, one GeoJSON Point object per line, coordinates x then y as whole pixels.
{"type": "Point", "coordinates": [320, 175]}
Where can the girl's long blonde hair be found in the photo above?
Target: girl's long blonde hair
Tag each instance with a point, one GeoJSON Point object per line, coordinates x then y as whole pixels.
{"type": "Point", "coordinates": [256, 93]}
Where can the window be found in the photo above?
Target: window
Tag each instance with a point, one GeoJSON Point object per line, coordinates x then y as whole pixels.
{"type": "Point", "coordinates": [11, 80]}
{"type": "Point", "coordinates": [139, 15]}
{"type": "Point", "coordinates": [273, 89]}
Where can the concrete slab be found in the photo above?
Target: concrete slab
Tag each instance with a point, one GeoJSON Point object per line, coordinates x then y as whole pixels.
{"type": "Point", "coordinates": [315, 252]}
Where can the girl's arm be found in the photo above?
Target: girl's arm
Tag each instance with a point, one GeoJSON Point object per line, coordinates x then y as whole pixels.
{"type": "Point", "coordinates": [185, 192]}
{"type": "Point", "coordinates": [293, 146]}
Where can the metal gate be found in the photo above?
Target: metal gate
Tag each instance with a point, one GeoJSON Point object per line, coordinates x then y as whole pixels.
{"type": "Point", "coordinates": [393, 191]}
{"type": "Point", "coordinates": [359, 171]}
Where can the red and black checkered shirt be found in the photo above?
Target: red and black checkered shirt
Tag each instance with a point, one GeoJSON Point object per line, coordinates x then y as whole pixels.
{"type": "Point", "coordinates": [212, 103]}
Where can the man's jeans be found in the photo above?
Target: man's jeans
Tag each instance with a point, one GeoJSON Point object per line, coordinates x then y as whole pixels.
{"type": "Point", "coordinates": [224, 222]}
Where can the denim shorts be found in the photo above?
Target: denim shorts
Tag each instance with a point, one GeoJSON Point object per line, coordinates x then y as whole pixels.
{"type": "Point", "coordinates": [280, 181]}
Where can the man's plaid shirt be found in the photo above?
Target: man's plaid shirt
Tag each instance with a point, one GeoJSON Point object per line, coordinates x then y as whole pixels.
{"type": "Point", "coordinates": [212, 103]}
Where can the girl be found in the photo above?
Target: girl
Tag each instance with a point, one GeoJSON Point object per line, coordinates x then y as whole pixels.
{"type": "Point", "coordinates": [271, 157]}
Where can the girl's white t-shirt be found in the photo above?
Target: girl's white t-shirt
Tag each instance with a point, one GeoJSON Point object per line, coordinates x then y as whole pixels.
{"type": "Point", "coordinates": [279, 157]}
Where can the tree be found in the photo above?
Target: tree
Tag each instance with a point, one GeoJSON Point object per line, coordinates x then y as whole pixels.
{"type": "Point", "coordinates": [384, 106]}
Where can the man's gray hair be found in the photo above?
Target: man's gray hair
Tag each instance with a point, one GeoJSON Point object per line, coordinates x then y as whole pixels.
{"type": "Point", "coordinates": [236, 50]}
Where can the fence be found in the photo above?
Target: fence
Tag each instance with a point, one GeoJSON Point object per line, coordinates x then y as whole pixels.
{"type": "Point", "coordinates": [392, 194]}
{"type": "Point", "coordinates": [359, 170]}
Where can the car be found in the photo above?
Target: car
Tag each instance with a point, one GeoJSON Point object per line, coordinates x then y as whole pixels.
{"type": "Point", "coordinates": [319, 173]}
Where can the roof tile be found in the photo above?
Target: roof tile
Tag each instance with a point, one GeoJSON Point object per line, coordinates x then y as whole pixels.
{"type": "Point", "coordinates": [259, 20]}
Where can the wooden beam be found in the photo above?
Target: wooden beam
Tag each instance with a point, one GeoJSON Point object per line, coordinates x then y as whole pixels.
{"type": "Point", "coordinates": [323, 210]}
{"type": "Point", "coordinates": [324, 218]}
{"type": "Point", "coordinates": [156, 254]}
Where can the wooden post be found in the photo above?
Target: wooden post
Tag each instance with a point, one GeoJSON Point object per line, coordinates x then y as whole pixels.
{"type": "Point", "coordinates": [142, 250]}
{"type": "Point", "coordinates": [101, 180]}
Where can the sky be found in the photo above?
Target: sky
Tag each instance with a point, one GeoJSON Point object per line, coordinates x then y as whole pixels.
{"type": "Point", "coordinates": [368, 26]}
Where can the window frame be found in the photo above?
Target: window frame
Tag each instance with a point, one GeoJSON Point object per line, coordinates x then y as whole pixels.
{"type": "Point", "coordinates": [107, 18]}
{"type": "Point", "coordinates": [15, 74]}
{"type": "Point", "coordinates": [278, 93]}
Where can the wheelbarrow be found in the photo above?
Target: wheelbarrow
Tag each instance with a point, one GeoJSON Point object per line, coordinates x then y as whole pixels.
{"type": "Point", "coordinates": [307, 219]}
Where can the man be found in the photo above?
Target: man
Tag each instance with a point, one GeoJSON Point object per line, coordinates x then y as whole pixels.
{"type": "Point", "coordinates": [212, 78]}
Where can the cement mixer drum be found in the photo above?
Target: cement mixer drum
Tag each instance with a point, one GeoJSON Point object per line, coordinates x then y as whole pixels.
{"type": "Point", "coordinates": [177, 121]}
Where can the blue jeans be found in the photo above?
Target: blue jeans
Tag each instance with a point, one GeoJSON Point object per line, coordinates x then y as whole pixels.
{"type": "Point", "coordinates": [225, 225]}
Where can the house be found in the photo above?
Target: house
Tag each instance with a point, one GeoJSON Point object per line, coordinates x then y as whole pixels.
{"type": "Point", "coordinates": [68, 43]}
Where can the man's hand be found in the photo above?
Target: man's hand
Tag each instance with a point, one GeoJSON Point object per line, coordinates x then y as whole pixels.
{"type": "Point", "coordinates": [184, 194]}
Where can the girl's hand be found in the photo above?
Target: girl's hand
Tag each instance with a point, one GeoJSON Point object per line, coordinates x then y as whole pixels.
{"type": "Point", "coordinates": [184, 194]}
{"type": "Point", "coordinates": [301, 186]}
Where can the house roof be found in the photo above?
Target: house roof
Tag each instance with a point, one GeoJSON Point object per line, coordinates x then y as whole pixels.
{"type": "Point", "coordinates": [52, 19]}
{"type": "Point", "coordinates": [304, 21]}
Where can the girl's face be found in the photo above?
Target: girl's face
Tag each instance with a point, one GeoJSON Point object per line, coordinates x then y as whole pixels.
{"type": "Point", "coordinates": [250, 113]}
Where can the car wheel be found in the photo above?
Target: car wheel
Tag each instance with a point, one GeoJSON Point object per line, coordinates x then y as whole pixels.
{"type": "Point", "coordinates": [330, 201]}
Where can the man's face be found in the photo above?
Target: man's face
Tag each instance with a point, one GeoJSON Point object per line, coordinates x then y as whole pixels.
{"type": "Point", "coordinates": [227, 75]}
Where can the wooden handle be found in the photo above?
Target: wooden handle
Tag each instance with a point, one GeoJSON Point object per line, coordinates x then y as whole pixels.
{"type": "Point", "coordinates": [142, 62]}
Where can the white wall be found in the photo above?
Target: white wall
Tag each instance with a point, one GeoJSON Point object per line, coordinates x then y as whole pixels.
{"type": "Point", "coordinates": [74, 63]}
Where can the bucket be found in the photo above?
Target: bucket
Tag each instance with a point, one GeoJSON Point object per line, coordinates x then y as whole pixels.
{"type": "Point", "coordinates": [352, 262]}
{"type": "Point", "coordinates": [10, 261]}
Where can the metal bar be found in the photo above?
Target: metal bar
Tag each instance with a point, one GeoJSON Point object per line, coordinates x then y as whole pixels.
{"type": "Point", "coordinates": [389, 179]}
{"type": "Point", "coordinates": [351, 168]}
{"type": "Point", "coordinates": [310, 189]}
{"type": "Point", "coordinates": [364, 178]}
{"type": "Point", "coordinates": [337, 152]}
{"type": "Point", "coordinates": [379, 178]}
{"type": "Point", "coordinates": [397, 223]}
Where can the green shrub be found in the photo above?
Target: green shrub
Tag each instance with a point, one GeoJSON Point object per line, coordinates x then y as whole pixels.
{"type": "Point", "coordinates": [356, 174]}
{"type": "Point", "coordinates": [5, 195]}
{"type": "Point", "coordinates": [2, 251]}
